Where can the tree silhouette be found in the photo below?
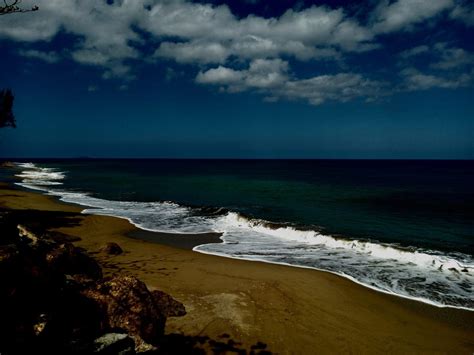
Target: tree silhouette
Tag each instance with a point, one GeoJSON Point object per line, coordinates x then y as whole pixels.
{"type": "Point", "coordinates": [7, 118]}
{"type": "Point", "coordinates": [11, 6]}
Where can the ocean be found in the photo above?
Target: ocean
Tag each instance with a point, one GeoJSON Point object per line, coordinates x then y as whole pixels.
{"type": "Point", "coordinates": [400, 227]}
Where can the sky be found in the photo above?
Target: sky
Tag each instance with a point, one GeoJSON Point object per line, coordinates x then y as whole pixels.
{"type": "Point", "coordinates": [240, 79]}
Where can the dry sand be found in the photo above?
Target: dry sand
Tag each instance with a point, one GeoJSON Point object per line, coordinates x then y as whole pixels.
{"type": "Point", "coordinates": [292, 310]}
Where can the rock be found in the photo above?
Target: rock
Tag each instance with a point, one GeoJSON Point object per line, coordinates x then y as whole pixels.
{"type": "Point", "coordinates": [114, 343]}
{"type": "Point", "coordinates": [68, 259]}
{"type": "Point", "coordinates": [142, 347]}
{"type": "Point", "coordinates": [126, 304]}
{"type": "Point", "coordinates": [33, 242]}
{"type": "Point", "coordinates": [112, 249]}
{"type": "Point", "coordinates": [40, 324]}
{"type": "Point", "coordinates": [168, 305]}
{"type": "Point", "coordinates": [27, 234]}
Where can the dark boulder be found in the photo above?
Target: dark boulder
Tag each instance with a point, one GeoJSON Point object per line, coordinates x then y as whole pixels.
{"type": "Point", "coordinates": [168, 305]}
{"type": "Point", "coordinates": [112, 249]}
{"type": "Point", "coordinates": [128, 305]}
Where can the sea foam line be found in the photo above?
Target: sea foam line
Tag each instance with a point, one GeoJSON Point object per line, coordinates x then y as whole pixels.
{"type": "Point", "coordinates": [43, 178]}
{"type": "Point", "coordinates": [340, 274]}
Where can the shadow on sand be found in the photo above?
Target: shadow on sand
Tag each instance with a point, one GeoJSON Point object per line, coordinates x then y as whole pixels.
{"type": "Point", "coordinates": [37, 221]}
{"type": "Point", "coordinates": [183, 344]}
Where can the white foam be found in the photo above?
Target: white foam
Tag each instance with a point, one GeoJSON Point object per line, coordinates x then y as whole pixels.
{"type": "Point", "coordinates": [26, 165]}
{"type": "Point", "coordinates": [423, 275]}
{"type": "Point", "coordinates": [378, 250]}
{"type": "Point", "coordinates": [38, 176]}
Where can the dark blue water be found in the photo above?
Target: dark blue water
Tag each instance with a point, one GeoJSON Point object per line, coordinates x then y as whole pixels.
{"type": "Point", "coordinates": [416, 206]}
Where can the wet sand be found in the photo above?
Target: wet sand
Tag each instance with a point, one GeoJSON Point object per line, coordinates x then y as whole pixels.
{"type": "Point", "coordinates": [183, 241]}
{"type": "Point", "coordinates": [291, 310]}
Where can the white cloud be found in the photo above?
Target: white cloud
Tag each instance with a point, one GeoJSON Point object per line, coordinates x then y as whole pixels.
{"type": "Point", "coordinates": [415, 80]}
{"type": "Point", "coordinates": [108, 36]}
{"type": "Point", "coordinates": [316, 32]}
{"type": "Point", "coordinates": [262, 74]}
{"type": "Point", "coordinates": [404, 14]}
{"type": "Point", "coordinates": [447, 67]}
{"type": "Point", "coordinates": [105, 30]}
{"type": "Point", "coordinates": [272, 79]}
{"type": "Point", "coordinates": [340, 87]}
{"type": "Point", "coordinates": [220, 76]}
{"type": "Point", "coordinates": [446, 57]}
{"type": "Point", "coordinates": [452, 57]}
{"type": "Point", "coordinates": [88, 56]}
{"type": "Point", "coordinates": [415, 51]}
{"type": "Point", "coordinates": [49, 57]}
{"type": "Point", "coordinates": [464, 13]}
{"type": "Point", "coordinates": [206, 33]}
{"type": "Point", "coordinates": [193, 52]}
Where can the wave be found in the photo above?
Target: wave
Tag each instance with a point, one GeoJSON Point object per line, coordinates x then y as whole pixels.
{"type": "Point", "coordinates": [36, 176]}
{"type": "Point", "coordinates": [433, 277]}
{"type": "Point", "coordinates": [378, 250]}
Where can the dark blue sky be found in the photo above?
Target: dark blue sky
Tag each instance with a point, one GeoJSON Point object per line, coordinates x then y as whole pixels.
{"type": "Point", "coordinates": [240, 79]}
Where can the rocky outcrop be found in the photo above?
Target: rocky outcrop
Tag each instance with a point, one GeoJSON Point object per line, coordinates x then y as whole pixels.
{"type": "Point", "coordinates": [53, 299]}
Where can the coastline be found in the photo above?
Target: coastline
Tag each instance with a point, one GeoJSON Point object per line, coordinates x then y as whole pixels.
{"type": "Point", "coordinates": [292, 310]}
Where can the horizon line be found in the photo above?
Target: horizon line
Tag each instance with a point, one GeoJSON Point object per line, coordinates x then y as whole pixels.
{"type": "Point", "coordinates": [224, 158]}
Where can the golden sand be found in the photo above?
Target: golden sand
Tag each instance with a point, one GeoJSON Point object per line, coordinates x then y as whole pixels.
{"type": "Point", "coordinates": [292, 310]}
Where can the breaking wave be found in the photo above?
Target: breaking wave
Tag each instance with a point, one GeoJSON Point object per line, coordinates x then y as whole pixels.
{"type": "Point", "coordinates": [425, 275]}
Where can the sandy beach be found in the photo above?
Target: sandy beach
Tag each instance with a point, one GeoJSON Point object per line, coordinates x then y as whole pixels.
{"type": "Point", "coordinates": [291, 310]}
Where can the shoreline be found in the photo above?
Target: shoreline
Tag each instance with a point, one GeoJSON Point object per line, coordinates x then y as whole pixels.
{"type": "Point", "coordinates": [191, 241]}
{"type": "Point", "coordinates": [347, 277]}
{"type": "Point", "coordinates": [175, 240]}
{"type": "Point", "coordinates": [220, 286]}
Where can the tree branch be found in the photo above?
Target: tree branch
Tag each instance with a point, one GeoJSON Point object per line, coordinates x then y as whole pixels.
{"type": "Point", "coordinates": [10, 7]}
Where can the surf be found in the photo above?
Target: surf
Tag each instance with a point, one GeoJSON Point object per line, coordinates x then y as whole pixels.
{"type": "Point", "coordinates": [430, 276]}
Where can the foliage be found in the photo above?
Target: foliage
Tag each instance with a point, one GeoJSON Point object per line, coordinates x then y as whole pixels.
{"type": "Point", "coordinates": [7, 118]}
{"type": "Point", "coordinates": [11, 6]}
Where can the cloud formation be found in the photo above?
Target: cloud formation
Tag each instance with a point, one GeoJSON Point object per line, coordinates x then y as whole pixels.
{"type": "Point", "coordinates": [464, 13]}
{"type": "Point", "coordinates": [271, 77]}
{"type": "Point", "coordinates": [415, 80]}
{"type": "Point", "coordinates": [48, 56]}
{"type": "Point", "coordinates": [105, 33]}
{"type": "Point", "coordinates": [448, 67]}
{"type": "Point", "coordinates": [111, 35]}
{"type": "Point", "coordinates": [404, 14]}
{"type": "Point", "coordinates": [210, 34]}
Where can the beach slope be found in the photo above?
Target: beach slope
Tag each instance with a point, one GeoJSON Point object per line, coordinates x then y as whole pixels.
{"type": "Point", "coordinates": [290, 310]}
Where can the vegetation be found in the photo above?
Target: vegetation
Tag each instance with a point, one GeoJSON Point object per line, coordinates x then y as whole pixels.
{"type": "Point", "coordinates": [7, 118]}
{"type": "Point", "coordinates": [9, 7]}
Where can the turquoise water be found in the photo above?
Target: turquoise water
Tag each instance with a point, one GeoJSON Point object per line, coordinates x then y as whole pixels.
{"type": "Point", "coordinates": [403, 227]}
